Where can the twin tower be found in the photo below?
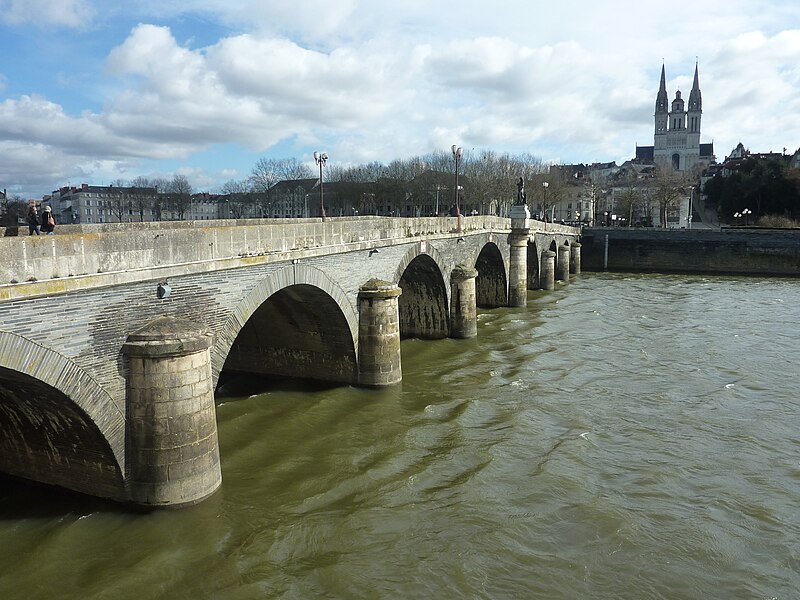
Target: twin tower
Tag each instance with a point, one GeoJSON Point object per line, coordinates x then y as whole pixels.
{"type": "Point", "coordinates": [676, 141]}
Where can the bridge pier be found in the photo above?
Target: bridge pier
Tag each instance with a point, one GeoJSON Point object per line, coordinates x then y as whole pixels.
{"type": "Point", "coordinates": [547, 277]}
{"type": "Point", "coordinates": [562, 264]}
{"type": "Point", "coordinates": [172, 449]}
{"type": "Point", "coordinates": [575, 258]}
{"type": "Point", "coordinates": [463, 304]}
{"type": "Point", "coordinates": [518, 257]}
{"type": "Point", "coordinates": [379, 334]}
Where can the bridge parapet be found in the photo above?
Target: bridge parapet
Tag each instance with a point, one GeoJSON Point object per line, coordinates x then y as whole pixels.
{"type": "Point", "coordinates": [89, 256]}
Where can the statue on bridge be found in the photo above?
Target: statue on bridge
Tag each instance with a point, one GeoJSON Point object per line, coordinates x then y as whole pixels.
{"type": "Point", "coordinates": [521, 191]}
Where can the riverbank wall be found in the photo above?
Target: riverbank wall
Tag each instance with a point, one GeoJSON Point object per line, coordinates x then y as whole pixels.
{"type": "Point", "coordinates": [733, 250]}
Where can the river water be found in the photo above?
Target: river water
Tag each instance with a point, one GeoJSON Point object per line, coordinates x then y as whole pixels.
{"type": "Point", "coordinates": [622, 437]}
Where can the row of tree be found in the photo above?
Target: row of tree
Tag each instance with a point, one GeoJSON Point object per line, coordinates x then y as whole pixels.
{"type": "Point", "coordinates": [489, 181]}
{"type": "Point", "coordinates": [490, 176]}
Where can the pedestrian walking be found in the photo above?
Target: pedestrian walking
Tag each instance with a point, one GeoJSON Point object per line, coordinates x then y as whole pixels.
{"type": "Point", "coordinates": [33, 220]}
{"type": "Point", "coordinates": [48, 221]}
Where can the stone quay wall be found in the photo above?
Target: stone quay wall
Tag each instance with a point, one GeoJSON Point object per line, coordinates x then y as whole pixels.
{"type": "Point", "coordinates": [745, 251]}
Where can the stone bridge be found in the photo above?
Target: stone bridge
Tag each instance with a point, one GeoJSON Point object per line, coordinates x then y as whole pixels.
{"type": "Point", "coordinates": [113, 337]}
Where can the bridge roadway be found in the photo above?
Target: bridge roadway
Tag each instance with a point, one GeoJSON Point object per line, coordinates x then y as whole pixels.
{"type": "Point", "coordinates": [113, 336]}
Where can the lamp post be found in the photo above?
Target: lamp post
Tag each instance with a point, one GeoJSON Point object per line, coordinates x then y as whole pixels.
{"type": "Point", "coordinates": [691, 197]}
{"type": "Point", "coordinates": [746, 212]}
{"type": "Point", "coordinates": [320, 158]}
{"type": "Point", "coordinates": [545, 185]}
{"type": "Point", "coordinates": [457, 152]}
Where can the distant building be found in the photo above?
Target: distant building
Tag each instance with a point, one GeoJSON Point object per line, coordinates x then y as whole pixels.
{"type": "Point", "coordinates": [676, 139]}
{"type": "Point", "coordinates": [740, 155]}
{"type": "Point", "coordinates": [103, 204]}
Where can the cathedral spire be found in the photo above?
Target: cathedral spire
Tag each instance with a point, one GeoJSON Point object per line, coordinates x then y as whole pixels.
{"type": "Point", "coordinates": [695, 99]}
{"type": "Point", "coordinates": [662, 101]}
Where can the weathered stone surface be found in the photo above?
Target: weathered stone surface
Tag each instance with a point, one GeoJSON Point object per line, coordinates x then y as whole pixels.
{"type": "Point", "coordinates": [562, 264]}
{"type": "Point", "coordinates": [379, 334]}
{"type": "Point", "coordinates": [548, 274]}
{"type": "Point", "coordinates": [172, 430]}
{"type": "Point", "coordinates": [518, 268]}
{"type": "Point", "coordinates": [463, 307]}
{"type": "Point", "coordinates": [575, 258]}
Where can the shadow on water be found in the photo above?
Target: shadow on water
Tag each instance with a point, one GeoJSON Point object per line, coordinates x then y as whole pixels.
{"type": "Point", "coordinates": [239, 385]}
{"type": "Point", "coordinates": [23, 499]}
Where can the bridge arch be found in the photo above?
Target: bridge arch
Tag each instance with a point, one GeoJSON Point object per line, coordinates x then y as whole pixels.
{"type": "Point", "coordinates": [534, 263]}
{"type": "Point", "coordinates": [491, 285]}
{"type": "Point", "coordinates": [296, 322]}
{"type": "Point", "coordinates": [58, 425]}
{"type": "Point", "coordinates": [424, 304]}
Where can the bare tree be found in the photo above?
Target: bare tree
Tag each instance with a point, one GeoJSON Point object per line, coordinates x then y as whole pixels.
{"type": "Point", "coordinates": [144, 196]}
{"type": "Point", "coordinates": [13, 210]}
{"type": "Point", "coordinates": [631, 197]}
{"type": "Point", "coordinates": [548, 190]}
{"type": "Point", "coordinates": [668, 190]}
{"type": "Point", "coordinates": [492, 179]}
{"type": "Point", "coordinates": [179, 193]}
{"type": "Point", "coordinates": [269, 171]}
{"type": "Point", "coordinates": [238, 197]}
{"type": "Point", "coordinates": [119, 204]}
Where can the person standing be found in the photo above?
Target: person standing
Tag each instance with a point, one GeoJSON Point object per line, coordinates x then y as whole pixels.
{"type": "Point", "coordinates": [33, 220]}
{"type": "Point", "coordinates": [48, 221]}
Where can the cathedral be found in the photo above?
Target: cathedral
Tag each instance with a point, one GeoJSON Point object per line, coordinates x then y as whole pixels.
{"type": "Point", "coordinates": [676, 140]}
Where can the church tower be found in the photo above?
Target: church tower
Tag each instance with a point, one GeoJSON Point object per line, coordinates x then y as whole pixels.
{"type": "Point", "coordinates": [676, 141]}
{"type": "Point", "coordinates": [695, 111]}
{"type": "Point", "coordinates": [662, 113]}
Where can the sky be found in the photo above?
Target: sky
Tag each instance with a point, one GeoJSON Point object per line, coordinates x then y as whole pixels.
{"type": "Point", "coordinates": [97, 91]}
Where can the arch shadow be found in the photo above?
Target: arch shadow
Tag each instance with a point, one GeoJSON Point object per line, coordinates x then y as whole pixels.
{"type": "Point", "coordinates": [60, 427]}
{"type": "Point", "coordinates": [297, 322]}
{"type": "Point", "coordinates": [534, 262]}
{"type": "Point", "coordinates": [424, 304]}
{"type": "Point", "coordinates": [491, 285]}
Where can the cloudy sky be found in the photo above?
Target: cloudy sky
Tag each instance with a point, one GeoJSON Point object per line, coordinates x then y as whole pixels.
{"type": "Point", "coordinates": [92, 91]}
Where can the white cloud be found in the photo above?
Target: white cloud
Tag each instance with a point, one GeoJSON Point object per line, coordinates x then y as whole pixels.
{"type": "Point", "coordinates": [378, 80]}
{"type": "Point", "coordinates": [65, 13]}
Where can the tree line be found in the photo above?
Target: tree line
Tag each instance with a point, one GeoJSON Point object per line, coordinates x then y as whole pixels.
{"type": "Point", "coordinates": [426, 180]}
{"type": "Point", "coordinates": [764, 186]}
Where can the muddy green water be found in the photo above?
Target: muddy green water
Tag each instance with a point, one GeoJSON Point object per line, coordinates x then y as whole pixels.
{"type": "Point", "coordinates": [623, 437]}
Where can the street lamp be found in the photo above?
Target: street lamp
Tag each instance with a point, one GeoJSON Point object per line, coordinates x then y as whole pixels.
{"type": "Point", "coordinates": [320, 158]}
{"type": "Point", "coordinates": [691, 197]}
{"type": "Point", "coordinates": [545, 185]}
{"type": "Point", "coordinates": [746, 212]}
{"type": "Point", "coordinates": [457, 152]}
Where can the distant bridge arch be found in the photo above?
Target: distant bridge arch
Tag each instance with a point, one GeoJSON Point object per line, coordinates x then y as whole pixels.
{"type": "Point", "coordinates": [424, 304]}
{"type": "Point", "coordinates": [491, 285]}
{"type": "Point", "coordinates": [297, 322]}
